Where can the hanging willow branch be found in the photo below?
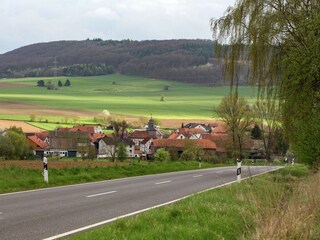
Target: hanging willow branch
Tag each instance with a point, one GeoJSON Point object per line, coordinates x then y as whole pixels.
{"type": "Point", "coordinates": [279, 43]}
{"type": "Point", "coordinates": [258, 34]}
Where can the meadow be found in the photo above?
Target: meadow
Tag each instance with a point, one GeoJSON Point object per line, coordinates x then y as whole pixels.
{"type": "Point", "coordinates": [118, 94]}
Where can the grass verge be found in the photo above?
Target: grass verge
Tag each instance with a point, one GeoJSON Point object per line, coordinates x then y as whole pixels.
{"type": "Point", "coordinates": [272, 206]}
{"type": "Point", "coordinates": [15, 178]}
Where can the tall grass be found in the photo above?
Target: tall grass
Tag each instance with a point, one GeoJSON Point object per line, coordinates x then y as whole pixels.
{"type": "Point", "coordinates": [291, 213]}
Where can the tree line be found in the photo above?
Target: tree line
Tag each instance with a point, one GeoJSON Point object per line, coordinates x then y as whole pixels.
{"type": "Point", "coordinates": [190, 61]}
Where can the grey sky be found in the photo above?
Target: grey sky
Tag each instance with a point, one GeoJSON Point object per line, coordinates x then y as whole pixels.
{"type": "Point", "coordinates": [25, 22]}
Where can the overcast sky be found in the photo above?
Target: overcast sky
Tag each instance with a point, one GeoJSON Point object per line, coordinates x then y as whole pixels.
{"type": "Point", "coordinates": [24, 22]}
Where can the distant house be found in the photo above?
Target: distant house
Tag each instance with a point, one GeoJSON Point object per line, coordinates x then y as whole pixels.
{"type": "Point", "coordinates": [178, 145]}
{"type": "Point", "coordinates": [108, 147]}
{"type": "Point", "coordinates": [69, 144]}
{"type": "Point", "coordinates": [143, 139]}
{"type": "Point", "coordinates": [223, 142]}
{"type": "Point", "coordinates": [151, 132]}
{"type": "Point", "coordinates": [187, 133]}
{"type": "Point", "coordinates": [38, 145]}
{"type": "Point", "coordinates": [138, 136]}
{"type": "Point", "coordinates": [44, 136]}
{"type": "Point", "coordinates": [204, 127]}
{"type": "Point", "coordinates": [146, 146]}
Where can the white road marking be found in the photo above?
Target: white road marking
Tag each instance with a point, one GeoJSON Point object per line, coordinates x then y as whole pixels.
{"type": "Point", "coordinates": [99, 194]}
{"type": "Point", "coordinates": [196, 176]}
{"type": "Point", "coordinates": [163, 182]}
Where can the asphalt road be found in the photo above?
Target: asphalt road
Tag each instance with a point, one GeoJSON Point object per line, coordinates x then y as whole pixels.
{"type": "Point", "coordinates": [50, 212]}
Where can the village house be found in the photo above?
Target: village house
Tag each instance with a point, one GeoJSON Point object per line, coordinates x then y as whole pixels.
{"type": "Point", "coordinates": [38, 145]}
{"type": "Point", "coordinates": [187, 133]}
{"type": "Point", "coordinates": [108, 147]}
{"type": "Point", "coordinates": [178, 145]}
{"type": "Point", "coordinates": [204, 127]}
{"type": "Point", "coordinates": [143, 139]}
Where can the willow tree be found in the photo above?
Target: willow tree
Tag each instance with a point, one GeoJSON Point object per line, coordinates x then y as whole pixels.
{"type": "Point", "coordinates": [278, 42]}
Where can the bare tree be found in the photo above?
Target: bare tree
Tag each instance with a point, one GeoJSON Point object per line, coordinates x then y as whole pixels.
{"type": "Point", "coordinates": [234, 111]}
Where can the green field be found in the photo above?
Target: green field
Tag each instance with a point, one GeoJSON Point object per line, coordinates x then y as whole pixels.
{"type": "Point", "coordinates": [122, 95]}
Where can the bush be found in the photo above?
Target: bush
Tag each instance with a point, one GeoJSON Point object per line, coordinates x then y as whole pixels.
{"type": "Point", "coordinates": [162, 155]}
{"type": "Point", "coordinates": [166, 87]}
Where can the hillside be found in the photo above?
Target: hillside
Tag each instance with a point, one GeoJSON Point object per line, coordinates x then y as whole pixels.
{"type": "Point", "coordinates": [189, 61]}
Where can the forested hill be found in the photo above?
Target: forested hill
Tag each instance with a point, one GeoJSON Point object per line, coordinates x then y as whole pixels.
{"type": "Point", "coordinates": [179, 60]}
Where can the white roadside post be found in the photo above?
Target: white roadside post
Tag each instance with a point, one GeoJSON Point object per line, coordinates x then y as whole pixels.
{"type": "Point", "coordinates": [45, 169]}
{"type": "Point", "coordinates": [238, 170]}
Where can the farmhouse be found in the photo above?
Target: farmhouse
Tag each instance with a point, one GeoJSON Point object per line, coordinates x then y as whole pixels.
{"type": "Point", "coordinates": [38, 145]}
{"type": "Point", "coordinates": [178, 145]}
{"type": "Point", "coordinates": [69, 144]}
{"type": "Point", "coordinates": [108, 147]}
{"type": "Point", "coordinates": [187, 133]}
{"type": "Point", "coordinates": [205, 128]}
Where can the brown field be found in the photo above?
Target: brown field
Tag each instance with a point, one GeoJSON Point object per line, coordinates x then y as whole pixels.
{"type": "Point", "coordinates": [18, 108]}
{"type": "Point", "coordinates": [54, 164]}
{"type": "Point", "coordinates": [27, 128]}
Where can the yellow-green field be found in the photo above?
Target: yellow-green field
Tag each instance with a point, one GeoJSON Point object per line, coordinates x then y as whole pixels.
{"type": "Point", "coordinates": [89, 96]}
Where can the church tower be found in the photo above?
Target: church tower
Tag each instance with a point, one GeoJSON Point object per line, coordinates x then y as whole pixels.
{"type": "Point", "coordinates": [151, 127]}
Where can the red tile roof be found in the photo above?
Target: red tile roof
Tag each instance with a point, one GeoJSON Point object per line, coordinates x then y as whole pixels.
{"type": "Point", "coordinates": [42, 135]}
{"type": "Point", "coordinates": [146, 140]}
{"type": "Point", "coordinates": [95, 136]}
{"type": "Point", "coordinates": [221, 140]}
{"type": "Point", "coordinates": [88, 129]}
{"type": "Point", "coordinates": [139, 135]}
{"type": "Point", "coordinates": [205, 144]}
{"type": "Point", "coordinates": [174, 135]}
{"type": "Point", "coordinates": [39, 143]}
{"type": "Point", "coordinates": [187, 131]}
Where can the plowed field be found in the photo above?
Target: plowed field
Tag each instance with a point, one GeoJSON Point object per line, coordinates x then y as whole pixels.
{"type": "Point", "coordinates": [27, 128]}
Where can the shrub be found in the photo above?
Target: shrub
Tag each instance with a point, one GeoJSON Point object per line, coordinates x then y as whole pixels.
{"type": "Point", "coordinates": [162, 155]}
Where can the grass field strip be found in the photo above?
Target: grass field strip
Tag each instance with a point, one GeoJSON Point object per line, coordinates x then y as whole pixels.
{"type": "Point", "coordinates": [100, 194]}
